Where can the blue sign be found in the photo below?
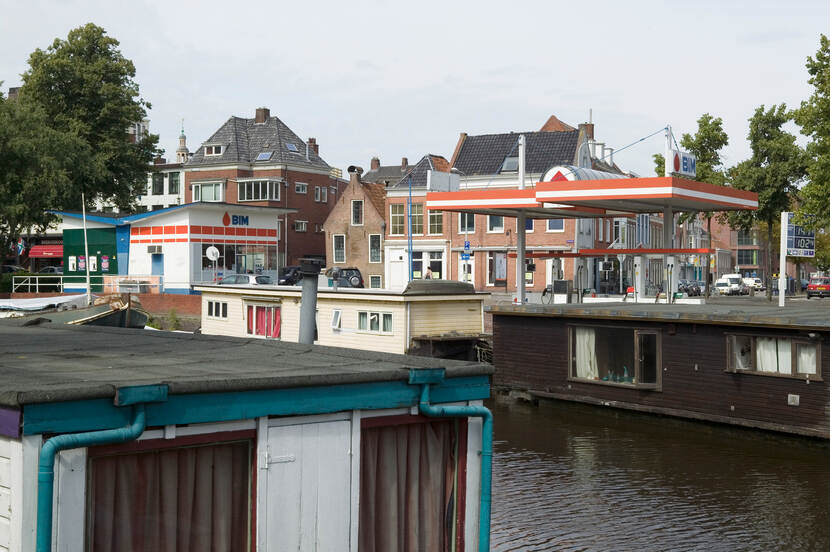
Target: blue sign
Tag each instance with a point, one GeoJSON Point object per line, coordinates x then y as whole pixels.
{"type": "Point", "coordinates": [465, 256]}
{"type": "Point", "coordinates": [239, 220]}
{"type": "Point", "coordinates": [800, 242]}
{"type": "Point", "coordinates": [466, 245]}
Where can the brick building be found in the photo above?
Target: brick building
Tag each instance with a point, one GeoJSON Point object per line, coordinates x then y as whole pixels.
{"type": "Point", "coordinates": [355, 227]}
{"type": "Point", "coordinates": [260, 161]}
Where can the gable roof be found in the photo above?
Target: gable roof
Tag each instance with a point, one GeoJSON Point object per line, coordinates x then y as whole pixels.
{"type": "Point", "coordinates": [418, 172]}
{"type": "Point", "coordinates": [553, 124]}
{"type": "Point", "coordinates": [376, 193]}
{"type": "Point", "coordinates": [484, 154]}
{"type": "Point", "coordinates": [242, 140]}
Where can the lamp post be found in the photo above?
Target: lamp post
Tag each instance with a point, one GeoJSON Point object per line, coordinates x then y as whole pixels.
{"type": "Point", "coordinates": [466, 262]}
{"type": "Point", "coordinates": [409, 225]}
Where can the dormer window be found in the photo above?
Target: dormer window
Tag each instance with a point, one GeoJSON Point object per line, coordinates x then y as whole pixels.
{"type": "Point", "coordinates": [511, 164]}
{"type": "Point", "coordinates": [213, 150]}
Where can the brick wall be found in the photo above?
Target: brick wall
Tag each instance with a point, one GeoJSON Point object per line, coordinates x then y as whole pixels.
{"type": "Point", "coordinates": [151, 302]}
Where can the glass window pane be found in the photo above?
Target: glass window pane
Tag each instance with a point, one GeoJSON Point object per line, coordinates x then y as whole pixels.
{"type": "Point", "coordinates": [806, 358]}
{"type": "Point", "coordinates": [374, 321]}
{"type": "Point", "coordinates": [387, 322]}
{"type": "Point", "coordinates": [648, 358]}
{"type": "Point", "coordinates": [362, 318]}
{"type": "Point", "coordinates": [556, 225]}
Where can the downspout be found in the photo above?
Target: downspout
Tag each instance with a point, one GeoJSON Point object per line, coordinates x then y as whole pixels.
{"type": "Point", "coordinates": [426, 377]}
{"type": "Point", "coordinates": [135, 396]}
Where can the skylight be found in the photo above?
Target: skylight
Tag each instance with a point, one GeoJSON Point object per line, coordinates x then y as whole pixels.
{"type": "Point", "coordinates": [511, 164]}
{"type": "Point", "coordinates": [291, 147]}
{"type": "Point", "coordinates": [264, 155]}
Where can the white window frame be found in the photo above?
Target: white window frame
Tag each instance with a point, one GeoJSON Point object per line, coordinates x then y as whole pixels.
{"type": "Point", "coordinates": [498, 229]}
{"type": "Point", "coordinates": [471, 263]}
{"type": "Point", "coordinates": [301, 188]}
{"type": "Point", "coordinates": [301, 226]}
{"type": "Point", "coordinates": [214, 150]}
{"type": "Point", "coordinates": [255, 304]}
{"type": "Point", "coordinates": [547, 226]}
{"type": "Point", "coordinates": [324, 194]}
{"type": "Point", "coordinates": [380, 248]}
{"type": "Point", "coordinates": [379, 279]}
{"type": "Point", "coordinates": [272, 190]}
{"type": "Point", "coordinates": [334, 248]}
{"type": "Point", "coordinates": [461, 229]}
{"type": "Point", "coordinates": [381, 315]}
{"type": "Point", "coordinates": [393, 216]}
{"type": "Point", "coordinates": [217, 306]}
{"type": "Point", "coordinates": [317, 194]}
{"type": "Point", "coordinates": [362, 212]}
{"type": "Point", "coordinates": [438, 214]}
{"type": "Point", "coordinates": [197, 190]}
{"type": "Point", "coordinates": [412, 219]}
{"type": "Point", "coordinates": [336, 319]}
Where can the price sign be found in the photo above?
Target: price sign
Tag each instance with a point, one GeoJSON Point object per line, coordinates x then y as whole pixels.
{"type": "Point", "coordinates": [800, 242]}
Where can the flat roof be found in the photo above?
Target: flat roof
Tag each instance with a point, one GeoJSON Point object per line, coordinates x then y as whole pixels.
{"type": "Point", "coordinates": [795, 316]}
{"type": "Point", "coordinates": [443, 289]}
{"type": "Point", "coordinates": [48, 362]}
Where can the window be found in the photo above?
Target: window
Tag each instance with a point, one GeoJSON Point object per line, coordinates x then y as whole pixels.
{"type": "Point", "coordinates": [747, 257]}
{"type": "Point", "coordinates": [417, 218]}
{"type": "Point", "coordinates": [213, 150]}
{"type": "Point", "coordinates": [357, 212]}
{"type": "Point", "coordinates": [291, 147]}
{"type": "Point", "coordinates": [375, 281]}
{"type": "Point", "coordinates": [264, 155]}
{"type": "Point", "coordinates": [495, 223]}
{"type": "Point", "coordinates": [619, 356]}
{"type": "Point", "coordinates": [396, 219]}
{"type": "Point", "coordinates": [300, 188]}
{"type": "Point", "coordinates": [125, 515]}
{"type": "Point", "coordinates": [528, 224]}
{"type": "Point", "coordinates": [773, 356]}
{"type": "Point", "coordinates": [496, 268]}
{"type": "Point", "coordinates": [339, 248]}
{"type": "Point", "coordinates": [209, 191]}
{"type": "Point", "coordinates": [747, 238]}
{"type": "Point", "coordinates": [556, 225]}
{"type": "Point", "coordinates": [434, 264]}
{"type": "Point", "coordinates": [317, 193]}
{"type": "Point", "coordinates": [466, 223]}
{"type": "Point", "coordinates": [259, 190]}
{"type": "Point", "coordinates": [510, 164]}
{"type": "Point", "coordinates": [321, 194]}
{"type": "Point", "coordinates": [263, 320]}
{"type": "Point", "coordinates": [173, 184]}
{"type": "Point", "coordinates": [301, 226]}
{"type": "Point", "coordinates": [599, 232]}
{"type": "Point", "coordinates": [336, 319]}
{"type": "Point", "coordinates": [374, 248]}
{"type": "Point", "coordinates": [158, 184]}
{"type": "Point", "coordinates": [528, 276]}
{"type": "Point", "coordinates": [217, 309]}
{"type": "Point", "coordinates": [436, 222]}
{"type": "Point", "coordinates": [374, 322]}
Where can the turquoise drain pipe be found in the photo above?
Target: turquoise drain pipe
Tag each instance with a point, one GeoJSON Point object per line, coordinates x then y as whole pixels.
{"type": "Point", "coordinates": [135, 396]}
{"type": "Point", "coordinates": [426, 377]}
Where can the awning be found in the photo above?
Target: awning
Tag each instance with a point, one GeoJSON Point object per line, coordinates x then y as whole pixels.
{"type": "Point", "coordinates": [46, 251]}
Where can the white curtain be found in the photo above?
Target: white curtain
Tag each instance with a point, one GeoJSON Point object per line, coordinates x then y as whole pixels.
{"type": "Point", "coordinates": [806, 359]}
{"type": "Point", "coordinates": [742, 352]}
{"type": "Point", "coordinates": [774, 355]}
{"type": "Point", "coordinates": [586, 356]}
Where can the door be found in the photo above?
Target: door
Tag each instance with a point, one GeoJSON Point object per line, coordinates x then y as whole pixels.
{"type": "Point", "coordinates": [398, 269]}
{"type": "Point", "coordinates": [157, 268]}
{"type": "Point", "coordinates": [308, 487]}
{"type": "Point", "coordinates": [466, 269]}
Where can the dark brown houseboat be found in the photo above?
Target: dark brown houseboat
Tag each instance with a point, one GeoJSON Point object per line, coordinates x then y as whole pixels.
{"type": "Point", "coordinates": [744, 364]}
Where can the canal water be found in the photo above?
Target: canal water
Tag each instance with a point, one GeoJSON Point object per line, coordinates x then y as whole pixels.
{"type": "Point", "coordinates": [574, 477]}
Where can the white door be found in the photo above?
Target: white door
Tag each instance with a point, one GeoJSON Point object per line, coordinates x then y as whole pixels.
{"type": "Point", "coordinates": [466, 269]}
{"type": "Point", "coordinates": [308, 486]}
{"type": "Point", "coordinates": [398, 269]}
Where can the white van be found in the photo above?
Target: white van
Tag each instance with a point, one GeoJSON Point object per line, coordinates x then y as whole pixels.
{"type": "Point", "coordinates": [736, 284]}
{"type": "Point", "coordinates": [722, 287]}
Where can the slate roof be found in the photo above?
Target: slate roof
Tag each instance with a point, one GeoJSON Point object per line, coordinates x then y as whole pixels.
{"type": "Point", "coordinates": [386, 173]}
{"type": "Point", "coordinates": [418, 171]}
{"type": "Point", "coordinates": [243, 140]}
{"type": "Point", "coordinates": [56, 362]}
{"type": "Point", "coordinates": [484, 154]}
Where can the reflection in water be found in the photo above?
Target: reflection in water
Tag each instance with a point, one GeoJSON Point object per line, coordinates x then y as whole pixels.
{"type": "Point", "coordinates": [573, 477]}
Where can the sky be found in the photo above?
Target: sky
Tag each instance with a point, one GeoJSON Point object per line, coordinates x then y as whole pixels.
{"type": "Point", "coordinates": [400, 79]}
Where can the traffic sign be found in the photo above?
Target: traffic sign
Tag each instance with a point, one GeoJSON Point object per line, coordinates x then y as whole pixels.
{"type": "Point", "coordinates": [465, 256]}
{"type": "Point", "coordinates": [466, 245]}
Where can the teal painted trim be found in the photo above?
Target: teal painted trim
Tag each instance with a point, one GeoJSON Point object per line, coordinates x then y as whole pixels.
{"type": "Point", "coordinates": [46, 466]}
{"type": "Point", "coordinates": [97, 414]}
{"type": "Point", "coordinates": [427, 407]}
{"type": "Point", "coordinates": [426, 375]}
{"type": "Point", "coordinates": [126, 396]}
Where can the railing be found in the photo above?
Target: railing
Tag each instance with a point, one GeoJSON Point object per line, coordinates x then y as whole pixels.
{"type": "Point", "coordinates": [37, 284]}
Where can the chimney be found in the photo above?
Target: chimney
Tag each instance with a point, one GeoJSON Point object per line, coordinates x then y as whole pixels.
{"type": "Point", "coordinates": [404, 164]}
{"type": "Point", "coordinates": [375, 163]}
{"type": "Point", "coordinates": [13, 93]}
{"type": "Point", "coordinates": [262, 115]}
{"type": "Point", "coordinates": [312, 143]}
{"type": "Point", "coordinates": [588, 129]}
{"type": "Point", "coordinates": [592, 147]}
{"type": "Point", "coordinates": [159, 161]}
{"type": "Point", "coordinates": [600, 149]}
{"type": "Point", "coordinates": [610, 153]}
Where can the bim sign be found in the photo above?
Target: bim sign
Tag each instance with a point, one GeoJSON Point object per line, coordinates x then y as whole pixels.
{"type": "Point", "coordinates": [235, 220]}
{"type": "Point", "coordinates": [684, 163]}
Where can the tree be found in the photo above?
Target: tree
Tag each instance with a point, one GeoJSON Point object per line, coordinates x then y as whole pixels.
{"type": "Point", "coordinates": [84, 85]}
{"type": "Point", "coordinates": [659, 164]}
{"type": "Point", "coordinates": [814, 118]}
{"type": "Point", "coordinates": [773, 171]}
{"type": "Point", "coordinates": [36, 163]}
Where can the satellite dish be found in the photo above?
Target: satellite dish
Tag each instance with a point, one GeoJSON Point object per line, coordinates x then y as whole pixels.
{"type": "Point", "coordinates": [212, 253]}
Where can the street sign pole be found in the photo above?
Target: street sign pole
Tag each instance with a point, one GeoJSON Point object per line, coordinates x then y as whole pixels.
{"type": "Point", "coordinates": [782, 260]}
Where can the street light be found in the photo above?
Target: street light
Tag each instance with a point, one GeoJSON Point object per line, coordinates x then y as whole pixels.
{"type": "Point", "coordinates": [466, 262]}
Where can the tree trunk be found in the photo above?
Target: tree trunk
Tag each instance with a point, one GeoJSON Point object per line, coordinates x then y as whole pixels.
{"type": "Point", "coordinates": [769, 262]}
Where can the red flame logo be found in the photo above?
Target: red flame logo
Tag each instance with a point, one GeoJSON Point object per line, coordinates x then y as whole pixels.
{"type": "Point", "coordinates": [676, 163]}
{"type": "Point", "coordinates": [226, 220]}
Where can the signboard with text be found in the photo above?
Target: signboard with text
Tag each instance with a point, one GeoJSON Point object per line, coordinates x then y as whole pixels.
{"type": "Point", "coordinates": [682, 163]}
{"type": "Point", "coordinates": [800, 241]}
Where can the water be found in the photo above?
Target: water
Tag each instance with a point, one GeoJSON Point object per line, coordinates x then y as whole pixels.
{"type": "Point", "coordinates": [572, 477]}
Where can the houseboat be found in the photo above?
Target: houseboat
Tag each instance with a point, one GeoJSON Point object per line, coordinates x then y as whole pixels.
{"type": "Point", "coordinates": [742, 364]}
{"type": "Point", "coordinates": [439, 318]}
{"type": "Point", "coordinates": [112, 439]}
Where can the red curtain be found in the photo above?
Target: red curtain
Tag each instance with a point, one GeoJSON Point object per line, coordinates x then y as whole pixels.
{"type": "Point", "coordinates": [261, 320]}
{"type": "Point", "coordinates": [175, 500]}
{"type": "Point", "coordinates": [407, 501]}
{"type": "Point", "coordinates": [250, 319]}
{"type": "Point", "coordinates": [275, 332]}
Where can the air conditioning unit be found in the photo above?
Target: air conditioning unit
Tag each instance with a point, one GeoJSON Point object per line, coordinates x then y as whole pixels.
{"type": "Point", "coordinates": [153, 249]}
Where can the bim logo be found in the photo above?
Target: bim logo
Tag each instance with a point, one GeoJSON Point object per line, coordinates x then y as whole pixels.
{"type": "Point", "coordinates": [235, 220]}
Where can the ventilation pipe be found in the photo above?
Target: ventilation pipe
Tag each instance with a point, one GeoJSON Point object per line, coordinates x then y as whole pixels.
{"type": "Point", "coordinates": [310, 268]}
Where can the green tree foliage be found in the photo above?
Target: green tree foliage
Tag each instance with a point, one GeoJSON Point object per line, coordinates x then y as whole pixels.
{"type": "Point", "coordinates": [814, 118]}
{"type": "Point", "coordinates": [822, 258]}
{"type": "Point", "coordinates": [773, 171]}
{"type": "Point", "coordinates": [659, 164]}
{"type": "Point", "coordinates": [36, 167]}
{"type": "Point", "coordinates": [85, 86]}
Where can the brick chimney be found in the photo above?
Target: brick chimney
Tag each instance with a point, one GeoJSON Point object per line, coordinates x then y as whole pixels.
{"type": "Point", "coordinates": [375, 163]}
{"type": "Point", "coordinates": [159, 161]}
{"type": "Point", "coordinates": [404, 164]}
{"type": "Point", "coordinates": [262, 114]}
{"type": "Point", "coordinates": [588, 129]}
{"type": "Point", "coordinates": [312, 143]}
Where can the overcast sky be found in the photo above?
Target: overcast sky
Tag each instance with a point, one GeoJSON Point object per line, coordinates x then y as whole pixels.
{"type": "Point", "coordinates": [397, 79]}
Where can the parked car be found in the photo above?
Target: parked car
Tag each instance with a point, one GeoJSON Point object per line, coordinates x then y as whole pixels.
{"type": "Point", "coordinates": [818, 287]}
{"type": "Point", "coordinates": [723, 287]}
{"type": "Point", "coordinates": [246, 280]}
{"type": "Point", "coordinates": [9, 268]}
{"type": "Point", "coordinates": [51, 270]}
{"type": "Point", "coordinates": [290, 276]}
{"type": "Point", "coordinates": [346, 277]}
